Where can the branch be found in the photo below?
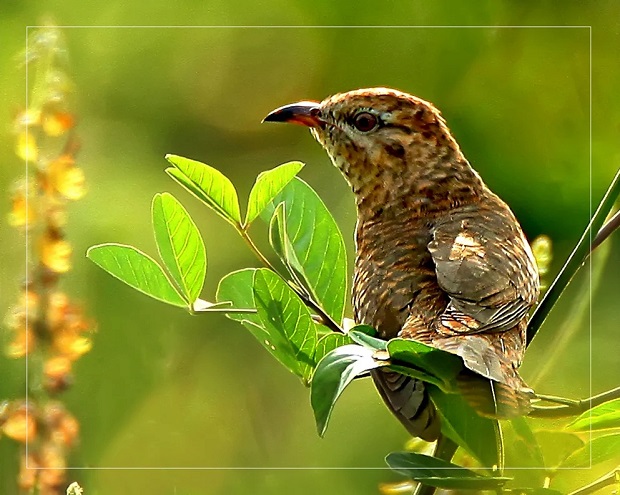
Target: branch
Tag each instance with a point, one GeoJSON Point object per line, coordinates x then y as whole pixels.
{"type": "Point", "coordinates": [610, 478]}
{"type": "Point", "coordinates": [606, 230]}
{"type": "Point", "coordinates": [569, 407]}
{"type": "Point", "coordinates": [577, 257]}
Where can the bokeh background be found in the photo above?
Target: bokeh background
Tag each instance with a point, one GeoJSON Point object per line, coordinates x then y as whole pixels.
{"type": "Point", "coordinates": [164, 389]}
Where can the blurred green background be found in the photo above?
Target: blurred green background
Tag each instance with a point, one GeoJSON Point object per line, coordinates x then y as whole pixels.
{"type": "Point", "coordinates": [162, 388]}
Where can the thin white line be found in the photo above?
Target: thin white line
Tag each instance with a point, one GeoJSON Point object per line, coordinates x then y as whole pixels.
{"type": "Point", "coordinates": [312, 27]}
{"type": "Point", "coordinates": [289, 468]}
{"type": "Point", "coordinates": [285, 468]}
{"type": "Point", "coordinates": [590, 257]}
{"type": "Point", "coordinates": [27, 239]}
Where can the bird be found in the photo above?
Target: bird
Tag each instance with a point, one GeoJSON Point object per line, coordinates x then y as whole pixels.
{"type": "Point", "coordinates": [440, 258]}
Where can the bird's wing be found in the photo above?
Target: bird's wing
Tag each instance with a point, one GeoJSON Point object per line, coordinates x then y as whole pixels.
{"type": "Point", "coordinates": [485, 265]}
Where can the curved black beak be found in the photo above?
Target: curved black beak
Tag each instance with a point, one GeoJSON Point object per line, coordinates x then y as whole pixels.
{"type": "Point", "coordinates": [305, 113]}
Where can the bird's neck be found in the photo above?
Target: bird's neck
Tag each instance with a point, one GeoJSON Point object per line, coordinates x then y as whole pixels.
{"type": "Point", "coordinates": [421, 187]}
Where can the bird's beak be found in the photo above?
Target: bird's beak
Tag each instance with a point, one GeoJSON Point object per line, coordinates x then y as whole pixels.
{"type": "Point", "coordinates": [303, 113]}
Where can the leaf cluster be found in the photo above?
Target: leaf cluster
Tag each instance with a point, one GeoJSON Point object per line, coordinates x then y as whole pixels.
{"type": "Point", "coordinates": [294, 307]}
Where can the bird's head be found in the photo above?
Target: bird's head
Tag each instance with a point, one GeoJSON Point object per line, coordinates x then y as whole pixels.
{"type": "Point", "coordinates": [383, 140]}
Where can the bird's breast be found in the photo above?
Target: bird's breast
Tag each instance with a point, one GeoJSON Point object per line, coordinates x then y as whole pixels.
{"type": "Point", "coordinates": [393, 268]}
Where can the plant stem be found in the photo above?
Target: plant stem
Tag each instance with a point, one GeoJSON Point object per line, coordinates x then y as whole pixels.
{"type": "Point", "coordinates": [570, 407]}
{"type": "Point", "coordinates": [577, 257]}
{"type": "Point", "coordinates": [606, 230]}
{"type": "Point", "coordinates": [611, 478]}
{"type": "Point", "coordinates": [325, 319]}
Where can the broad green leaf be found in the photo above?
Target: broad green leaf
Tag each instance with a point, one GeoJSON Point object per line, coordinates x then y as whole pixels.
{"type": "Point", "coordinates": [441, 474]}
{"type": "Point", "coordinates": [362, 335]}
{"type": "Point", "coordinates": [180, 245]}
{"type": "Point", "coordinates": [317, 243]}
{"type": "Point", "coordinates": [292, 333]}
{"type": "Point", "coordinates": [460, 422]}
{"type": "Point", "coordinates": [137, 270]}
{"type": "Point", "coordinates": [268, 185]}
{"type": "Point", "coordinates": [602, 417]}
{"type": "Point", "coordinates": [597, 450]}
{"type": "Point", "coordinates": [208, 184]}
{"type": "Point", "coordinates": [281, 244]}
{"type": "Point", "coordinates": [328, 343]}
{"type": "Point", "coordinates": [557, 445]}
{"type": "Point", "coordinates": [236, 288]}
{"type": "Point", "coordinates": [435, 362]}
{"type": "Point", "coordinates": [333, 373]}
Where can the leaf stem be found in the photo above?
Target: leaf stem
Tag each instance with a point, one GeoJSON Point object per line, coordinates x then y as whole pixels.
{"type": "Point", "coordinates": [570, 407]}
{"type": "Point", "coordinates": [611, 478]}
{"type": "Point", "coordinates": [325, 319]}
{"type": "Point", "coordinates": [577, 257]}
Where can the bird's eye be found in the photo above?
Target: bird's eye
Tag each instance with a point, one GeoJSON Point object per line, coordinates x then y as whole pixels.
{"type": "Point", "coordinates": [365, 122]}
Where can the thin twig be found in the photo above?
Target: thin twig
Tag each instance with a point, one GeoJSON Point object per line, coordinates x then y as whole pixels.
{"type": "Point", "coordinates": [569, 407]}
{"type": "Point", "coordinates": [575, 260]}
{"type": "Point", "coordinates": [610, 478]}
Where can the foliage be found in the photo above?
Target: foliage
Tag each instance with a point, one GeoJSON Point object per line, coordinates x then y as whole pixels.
{"type": "Point", "coordinates": [296, 313]}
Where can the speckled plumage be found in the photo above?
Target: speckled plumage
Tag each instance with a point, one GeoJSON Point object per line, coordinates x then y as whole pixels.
{"type": "Point", "coordinates": [440, 258]}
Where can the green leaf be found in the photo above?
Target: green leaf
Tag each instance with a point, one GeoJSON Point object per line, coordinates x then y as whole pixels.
{"type": "Point", "coordinates": [333, 373]}
{"type": "Point", "coordinates": [460, 422]}
{"type": "Point", "coordinates": [236, 288]}
{"type": "Point", "coordinates": [441, 364]}
{"type": "Point", "coordinates": [597, 450]}
{"type": "Point", "coordinates": [602, 417]}
{"type": "Point", "coordinates": [317, 244]}
{"type": "Point", "coordinates": [328, 343]}
{"type": "Point", "coordinates": [268, 185]}
{"type": "Point", "coordinates": [292, 333]}
{"type": "Point", "coordinates": [282, 246]}
{"type": "Point", "coordinates": [179, 244]}
{"type": "Point", "coordinates": [208, 184]}
{"type": "Point", "coordinates": [557, 445]}
{"type": "Point", "coordinates": [137, 270]}
{"type": "Point", "coordinates": [362, 335]}
{"type": "Point", "coordinates": [439, 473]}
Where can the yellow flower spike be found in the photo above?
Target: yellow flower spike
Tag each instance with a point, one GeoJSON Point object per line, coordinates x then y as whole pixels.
{"type": "Point", "coordinates": [28, 118]}
{"type": "Point", "coordinates": [56, 253]}
{"type": "Point", "coordinates": [57, 123]}
{"type": "Point", "coordinates": [63, 427]}
{"type": "Point", "coordinates": [67, 179]}
{"type": "Point", "coordinates": [53, 460]}
{"type": "Point", "coordinates": [26, 148]}
{"type": "Point", "coordinates": [28, 472]}
{"type": "Point", "coordinates": [21, 425]}
{"type": "Point", "coordinates": [22, 344]}
{"type": "Point", "coordinates": [57, 308]}
{"type": "Point", "coordinates": [73, 186]}
{"type": "Point", "coordinates": [57, 372]}
{"type": "Point", "coordinates": [23, 212]}
{"type": "Point", "coordinates": [543, 252]}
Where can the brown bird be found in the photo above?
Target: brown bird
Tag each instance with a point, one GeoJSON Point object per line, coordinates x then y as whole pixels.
{"type": "Point", "coordinates": [440, 258]}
